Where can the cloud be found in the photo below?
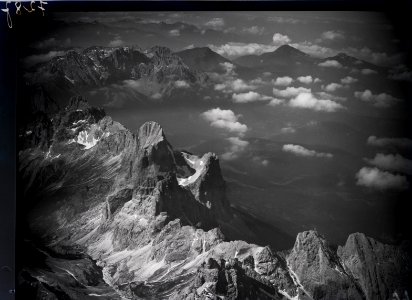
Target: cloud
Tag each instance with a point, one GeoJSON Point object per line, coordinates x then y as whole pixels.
{"type": "Point", "coordinates": [283, 81]}
{"type": "Point", "coordinates": [309, 101]}
{"type": "Point", "coordinates": [401, 73]}
{"type": "Point", "coordinates": [317, 80]}
{"type": "Point", "coordinates": [250, 97]}
{"type": "Point", "coordinates": [288, 129]}
{"type": "Point", "coordinates": [276, 102]}
{"type": "Point", "coordinates": [280, 39]}
{"type": "Point", "coordinates": [330, 64]}
{"type": "Point", "coordinates": [41, 58]}
{"type": "Point", "coordinates": [392, 162]}
{"type": "Point", "coordinates": [215, 23]}
{"type": "Point", "coordinates": [381, 180]}
{"type": "Point", "coordinates": [302, 151]}
{"type": "Point", "coordinates": [259, 160]}
{"type": "Point", "coordinates": [348, 80]}
{"type": "Point", "coordinates": [368, 71]}
{"type": "Point", "coordinates": [381, 100]}
{"type": "Point", "coordinates": [313, 49]}
{"type": "Point", "coordinates": [284, 20]}
{"type": "Point", "coordinates": [228, 67]}
{"type": "Point", "coordinates": [174, 32]}
{"type": "Point", "coordinates": [239, 85]}
{"type": "Point", "coordinates": [237, 146]}
{"type": "Point", "coordinates": [181, 84]}
{"type": "Point", "coordinates": [290, 92]}
{"type": "Point", "coordinates": [327, 96]}
{"type": "Point", "coordinates": [117, 42]}
{"type": "Point", "coordinates": [333, 35]}
{"type": "Point", "coordinates": [305, 79]}
{"type": "Point", "coordinates": [233, 50]}
{"type": "Point", "coordinates": [332, 87]}
{"type": "Point", "coordinates": [225, 119]}
{"type": "Point", "coordinates": [389, 142]}
{"type": "Point", "coordinates": [255, 30]}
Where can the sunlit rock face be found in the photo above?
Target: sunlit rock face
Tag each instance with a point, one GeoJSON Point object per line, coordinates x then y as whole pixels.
{"type": "Point", "coordinates": [122, 214]}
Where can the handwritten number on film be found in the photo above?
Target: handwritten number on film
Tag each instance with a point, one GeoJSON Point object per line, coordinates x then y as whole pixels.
{"type": "Point", "coordinates": [18, 7]}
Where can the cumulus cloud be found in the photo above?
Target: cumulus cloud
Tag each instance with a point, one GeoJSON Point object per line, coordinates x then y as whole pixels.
{"type": "Point", "coordinates": [333, 35]}
{"type": "Point", "coordinates": [290, 92]}
{"type": "Point", "coordinates": [283, 81]}
{"type": "Point", "coordinates": [276, 102]}
{"type": "Point", "coordinates": [256, 30]}
{"type": "Point", "coordinates": [317, 80]}
{"type": "Point", "coordinates": [390, 162]}
{"type": "Point", "coordinates": [381, 180]}
{"type": "Point", "coordinates": [215, 23]}
{"type": "Point", "coordinates": [237, 146]}
{"type": "Point", "coordinates": [181, 84]}
{"type": "Point", "coordinates": [309, 101]}
{"type": "Point", "coordinates": [330, 64]}
{"type": "Point", "coordinates": [332, 87]}
{"type": "Point", "coordinates": [389, 142]}
{"type": "Point", "coordinates": [280, 39]}
{"type": "Point", "coordinates": [379, 100]}
{"type": "Point", "coordinates": [116, 42]}
{"type": "Point", "coordinates": [233, 50]}
{"type": "Point", "coordinates": [236, 85]}
{"type": "Point", "coordinates": [41, 58]}
{"type": "Point", "coordinates": [368, 71]}
{"type": "Point", "coordinates": [348, 80]}
{"type": "Point", "coordinates": [225, 119]}
{"type": "Point", "coordinates": [305, 79]}
{"type": "Point", "coordinates": [302, 151]}
{"type": "Point", "coordinates": [174, 32]}
{"type": "Point", "coordinates": [249, 97]}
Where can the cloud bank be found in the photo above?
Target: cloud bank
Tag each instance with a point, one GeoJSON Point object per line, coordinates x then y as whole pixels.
{"type": "Point", "coordinates": [302, 151]}
{"type": "Point", "coordinates": [381, 180]}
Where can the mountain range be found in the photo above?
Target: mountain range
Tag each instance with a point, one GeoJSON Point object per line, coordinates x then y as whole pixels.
{"type": "Point", "coordinates": [116, 214]}
{"type": "Point", "coordinates": [158, 73]}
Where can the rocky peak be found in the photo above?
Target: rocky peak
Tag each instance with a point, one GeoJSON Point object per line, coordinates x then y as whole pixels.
{"type": "Point", "coordinates": [149, 134]}
{"type": "Point", "coordinates": [376, 266]}
{"type": "Point", "coordinates": [314, 266]}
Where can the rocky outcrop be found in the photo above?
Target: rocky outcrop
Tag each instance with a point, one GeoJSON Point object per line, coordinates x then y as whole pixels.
{"type": "Point", "coordinates": [317, 268]}
{"type": "Point", "coordinates": [382, 271]}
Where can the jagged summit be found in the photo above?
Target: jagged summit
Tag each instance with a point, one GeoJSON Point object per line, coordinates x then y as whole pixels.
{"type": "Point", "coordinates": [150, 133]}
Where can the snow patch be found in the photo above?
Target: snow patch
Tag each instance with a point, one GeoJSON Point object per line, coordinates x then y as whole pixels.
{"type": "Point", "coordinates": [196, 163]}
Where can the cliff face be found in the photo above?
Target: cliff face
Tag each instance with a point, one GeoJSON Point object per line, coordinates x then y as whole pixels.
{"type": "Point", "coordinates": [149, 216]}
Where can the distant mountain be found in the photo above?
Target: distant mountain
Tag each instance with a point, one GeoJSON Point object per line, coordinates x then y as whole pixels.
{"type": "Point", "coordinates": [97, 66]}
{"type": "Point", "coordinates": [120, 214]}
{"type": "Point", "coordinates": [284, 55]}
{"type": "Point", "coordinates": [203, 59]}
{"type": "Point", "coordinates": [352, 62]}
{"type": "Point", "coordinates": [288, 57]}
